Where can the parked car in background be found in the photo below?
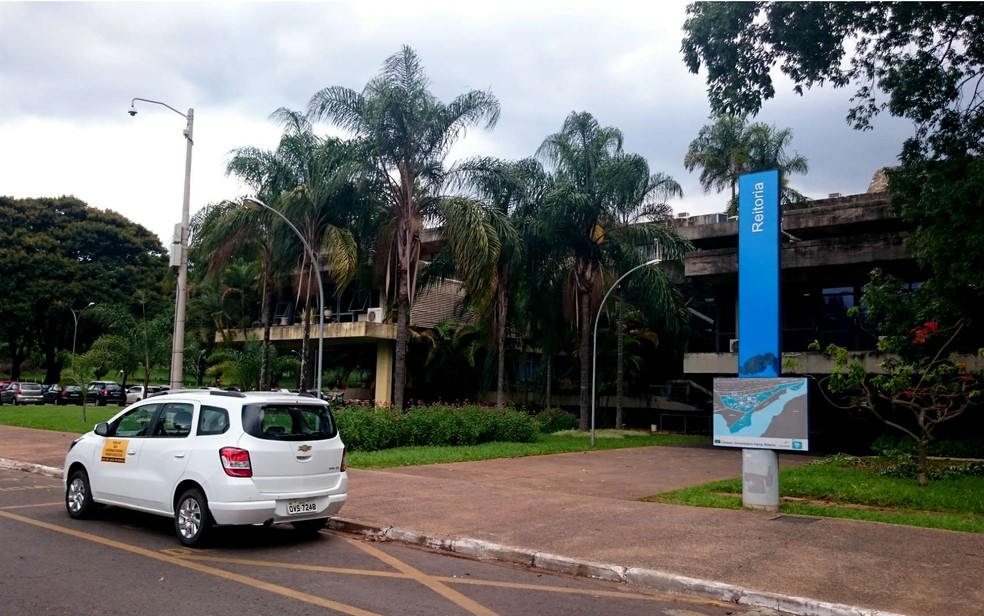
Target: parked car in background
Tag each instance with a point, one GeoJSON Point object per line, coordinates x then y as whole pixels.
{"type": "Point", "coordinates": [138, 393]}
{"type": "Point", "coordinates": [50, 392]}
{"type": "Point", "coordinates": [22, 393]}
{"type": "Point", "coordinates": [209, 458]}
{"type": "Point", "coordinates": [161, 390]}
{"type": "Point", "coordinates": [105, 392]}
{"type": "Point", "coordinates": [70, 394]}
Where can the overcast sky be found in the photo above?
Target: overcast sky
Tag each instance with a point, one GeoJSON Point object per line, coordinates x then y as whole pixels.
{"type": "Point", "coordinates": [68, 72]}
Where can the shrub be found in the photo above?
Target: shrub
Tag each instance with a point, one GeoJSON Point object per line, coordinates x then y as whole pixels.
{"type": "Point", "coordinates": [367, 428]}
{"type": "Point", "coordinates": [555, 420]}
{"type": "Point", "coordinates": [891, 446]}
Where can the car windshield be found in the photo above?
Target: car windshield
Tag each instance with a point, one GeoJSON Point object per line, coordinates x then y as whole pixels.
{"type": "Point", "coordinates": [295, 422]}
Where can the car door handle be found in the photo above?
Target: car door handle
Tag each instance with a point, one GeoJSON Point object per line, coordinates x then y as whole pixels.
{"type": "Point", "coordinates": [179, 455]}
{"type": "Point", "coordinates": [131, 452]}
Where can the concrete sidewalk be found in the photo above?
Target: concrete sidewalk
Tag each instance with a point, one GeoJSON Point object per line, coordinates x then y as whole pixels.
{"type": "Point", "coordinates": [579, 513]}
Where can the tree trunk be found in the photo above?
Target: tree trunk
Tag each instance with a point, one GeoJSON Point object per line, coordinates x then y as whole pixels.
{"type": "Point", "coordinates": [500, 342]}
{"type": "Point", "coordinates": [265, 319]}
{"type": "Point", "coordinates": [922, 464]}
{"type": "Point", "coordinates": [549, 388]}
{"type": "Point", "coordinates": [402, 329]}
{"type": "Point", "coordinates": [619, 365]}
{"type": "Point", "coordinates": [585, 355]}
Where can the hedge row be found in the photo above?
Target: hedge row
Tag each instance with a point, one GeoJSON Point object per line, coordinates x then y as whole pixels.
{"type": "Point", "coordinates": [367, 428]}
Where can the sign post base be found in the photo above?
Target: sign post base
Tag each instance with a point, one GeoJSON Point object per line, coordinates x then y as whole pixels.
{"type": "Point", "coordinates": [760, 479]}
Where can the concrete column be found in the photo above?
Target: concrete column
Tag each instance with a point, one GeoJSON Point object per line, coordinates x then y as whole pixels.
{"type": "Point", "coordinates": [385, 355]}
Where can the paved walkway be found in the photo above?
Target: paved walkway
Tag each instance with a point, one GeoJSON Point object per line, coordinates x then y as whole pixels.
{"type": "Point", "coordinates": [579, 513]}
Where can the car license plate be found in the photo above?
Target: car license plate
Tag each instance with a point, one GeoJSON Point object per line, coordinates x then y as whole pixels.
{"type": "Point", "coordinates": [296, 507]}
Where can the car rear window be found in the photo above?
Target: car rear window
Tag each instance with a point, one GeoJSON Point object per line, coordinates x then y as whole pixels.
{"type": "Point", "coordinates": [30, 387]}
{"type": "Point", "coordinates": [289, 422]}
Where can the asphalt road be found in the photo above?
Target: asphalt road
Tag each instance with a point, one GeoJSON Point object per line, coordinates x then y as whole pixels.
{"type": "Point", "coordinates": [128, 563]}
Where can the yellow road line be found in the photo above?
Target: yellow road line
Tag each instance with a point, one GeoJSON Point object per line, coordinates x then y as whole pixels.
{"type": "Point", "coordinates": [188, 564]}
{"type": "Point", "coordinates": [430, 582]}
{"type": "Point", "coordinates": [9, 507]}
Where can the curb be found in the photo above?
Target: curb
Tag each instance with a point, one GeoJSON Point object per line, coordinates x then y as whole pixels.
{"type": "Point", "coordinates": [648, 578]}
{"type": "Point", "coordinates": [29, 467]}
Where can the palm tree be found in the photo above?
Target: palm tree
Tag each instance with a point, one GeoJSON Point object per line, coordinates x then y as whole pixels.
{"type": "Point", "coordinates": [486, 238]}
{"type": "Point", "coordinates": [310, 181]}
{"type": "Point", "coordinates": [639, 196]}
{"type": "Point", "coordinates": [407, 132]}
{"type": "Point", "coordinates": [222, 231]}
{"type": "Point", "coordinates": [582, 216]}
{"type": "Point", "coordinates": [731, 147]}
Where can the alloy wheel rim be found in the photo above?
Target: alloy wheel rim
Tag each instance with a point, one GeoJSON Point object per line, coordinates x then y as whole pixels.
{"type": "Point", "coordinates": [189, 518]}
{"type": "Point", "coordinates": [76, 495]}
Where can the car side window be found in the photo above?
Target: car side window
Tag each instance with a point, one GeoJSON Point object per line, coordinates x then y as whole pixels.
{"type": "Point", "coordinates": [212, 420]}
{"type": "Point", "coordinates": [175, 420]}
{"type": "Point", "coordinates": [135, 423]}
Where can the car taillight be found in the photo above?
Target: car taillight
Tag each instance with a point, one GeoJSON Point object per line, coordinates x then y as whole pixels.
{"type": "Point", "coordinates": [235, 462]}
{"type": "Point", "coordinates": [344, 464]}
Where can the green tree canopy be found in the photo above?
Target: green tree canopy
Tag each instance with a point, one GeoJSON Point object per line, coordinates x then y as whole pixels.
{"type": "Point", "coordinates": [59, 254]}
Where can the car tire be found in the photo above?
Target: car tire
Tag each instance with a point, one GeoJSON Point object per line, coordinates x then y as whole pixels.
{"type": "Point", "coordinates": [192, 521]}
{"type": "Point", "coordinates": [78, 495]}
{"type": "Point", "coordinates": [309, 527]}
{"type": "Point", "coordinates": [59, 402]}
{"type": "Point", "coordinates": [100, 402]}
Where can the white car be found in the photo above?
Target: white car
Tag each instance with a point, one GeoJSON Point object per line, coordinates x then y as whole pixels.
{"type": "Point", "coordinates": [210, 458]}
{"type": "Point", "coordinates": [137, 393]}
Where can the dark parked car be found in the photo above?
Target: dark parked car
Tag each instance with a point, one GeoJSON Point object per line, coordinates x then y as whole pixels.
{"type": "Point", "coordinates": [70, 394]}
{"type": "Point", "coordinates": [104, 392]}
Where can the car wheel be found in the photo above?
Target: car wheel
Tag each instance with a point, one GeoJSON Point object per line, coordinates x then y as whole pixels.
{"type": "Point", "coordinates": [78, 496]}
{"type": "Point", "coordinates": [100, 402]}
{"type": "Point", "coordinates": [192, 521]}
{"type": "Point", "coordinates": [309, 527]}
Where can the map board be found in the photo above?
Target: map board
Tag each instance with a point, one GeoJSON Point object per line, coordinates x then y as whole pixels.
{"type": "Point", "coordinates": [761, 413]}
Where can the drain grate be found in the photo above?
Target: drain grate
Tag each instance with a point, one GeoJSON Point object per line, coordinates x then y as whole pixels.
{"type": "Point", "coordinates": [795, 519]}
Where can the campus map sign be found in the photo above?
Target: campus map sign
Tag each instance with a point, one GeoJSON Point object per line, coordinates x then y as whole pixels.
{"type": "Point", "coordinates": [761, 413]}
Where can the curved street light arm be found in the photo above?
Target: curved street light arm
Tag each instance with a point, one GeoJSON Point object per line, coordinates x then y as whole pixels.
{"type": "Point", "coordinates": [321, 291]}
{"type": "Point", "coordinates": [594, 346]}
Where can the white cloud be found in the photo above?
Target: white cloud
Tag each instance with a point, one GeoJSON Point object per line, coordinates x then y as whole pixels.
{"type": "Point", "coordinates": [69, 70]}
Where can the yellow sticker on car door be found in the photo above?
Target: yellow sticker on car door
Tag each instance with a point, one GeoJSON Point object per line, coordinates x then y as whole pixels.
{"type": "Point", "coordinates": [115, 450]}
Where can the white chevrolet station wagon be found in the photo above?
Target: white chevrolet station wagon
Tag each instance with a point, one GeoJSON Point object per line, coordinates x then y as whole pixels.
{"type": "Point", "coordinates": [210, 458]}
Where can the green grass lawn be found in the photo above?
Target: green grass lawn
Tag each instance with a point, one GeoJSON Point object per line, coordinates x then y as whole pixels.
{"type": "Point", "coordinates": [60, 418]}
{"type": "Point", "coordinates": [842, 489]}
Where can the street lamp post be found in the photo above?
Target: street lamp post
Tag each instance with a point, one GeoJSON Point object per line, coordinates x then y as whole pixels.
{"type": "Point", "coordinates": [177, 347]}
{"type": "Point", "coordinates": [75, 317]}
{"type": "Point", "coordinates": [594, 347]}
{"type": "Point", "coordinates": [253, 203]}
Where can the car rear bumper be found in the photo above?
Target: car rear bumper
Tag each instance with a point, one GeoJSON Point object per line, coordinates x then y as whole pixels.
{"type": "Point", "coordinates": [274, 511]}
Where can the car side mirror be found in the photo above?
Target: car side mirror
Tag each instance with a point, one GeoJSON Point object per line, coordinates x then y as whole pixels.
{"type": "Point", "coordinates": [102, 429]}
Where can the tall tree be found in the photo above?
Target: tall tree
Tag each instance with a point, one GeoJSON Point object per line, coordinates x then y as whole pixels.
{"type": "Point", "coordinates": [731, 147]}
{"type": "Point", "coordinates": [61, 254]}
{"type": "Point", "coordinates": [310, 180]}
{"type": "Point", "coordinates": [408, 133]}
{"type": "Point", "coordinates": [487, 240]}
{"type": "Point", "coordinates": [922, 61]}
{"type": "Point", "coordinates": [581, 213]}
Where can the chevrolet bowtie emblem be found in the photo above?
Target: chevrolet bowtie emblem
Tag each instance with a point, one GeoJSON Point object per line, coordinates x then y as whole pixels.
{"type": "Point", "coordinates": [304, 448]}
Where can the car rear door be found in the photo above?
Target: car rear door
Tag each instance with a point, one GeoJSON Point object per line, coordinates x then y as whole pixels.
{"type": "Point", "coordinates": [294, 448]}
